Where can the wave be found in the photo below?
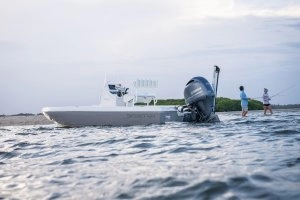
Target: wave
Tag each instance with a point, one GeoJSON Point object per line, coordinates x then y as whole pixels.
{"type": "Point", "coordinates": [4, 155]}
{"type": "Point", "coordinates": [239, 158]}
{"type": "Point", "coordinates": [173, 188]}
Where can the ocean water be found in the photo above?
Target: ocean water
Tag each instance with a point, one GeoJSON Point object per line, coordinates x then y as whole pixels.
{"type": "Point", "coordinates": [257, 157]}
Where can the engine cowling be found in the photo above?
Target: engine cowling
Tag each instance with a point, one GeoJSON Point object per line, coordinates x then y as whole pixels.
{"type": "Point", "coordinates": [200, 97]}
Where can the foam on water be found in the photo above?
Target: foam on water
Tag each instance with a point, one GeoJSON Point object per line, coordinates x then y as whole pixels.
{"type": "Point", "coordinates": [239, 158]}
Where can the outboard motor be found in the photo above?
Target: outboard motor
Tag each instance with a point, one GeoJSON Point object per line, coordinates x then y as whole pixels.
{"type": "Point", "coordinates": [199, 98]}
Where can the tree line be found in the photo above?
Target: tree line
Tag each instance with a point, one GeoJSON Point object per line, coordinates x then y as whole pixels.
{"type": "Point", "coordinates": [222, 104]}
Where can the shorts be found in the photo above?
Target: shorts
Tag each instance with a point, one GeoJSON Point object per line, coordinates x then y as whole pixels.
{"type": "Point", "coordinates": [244, 108]}
{"type": "Point", "coordinates": [267, 104]}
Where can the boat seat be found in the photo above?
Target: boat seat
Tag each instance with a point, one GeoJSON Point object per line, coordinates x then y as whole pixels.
{"type": "Point", "coordinates": [146, 98]}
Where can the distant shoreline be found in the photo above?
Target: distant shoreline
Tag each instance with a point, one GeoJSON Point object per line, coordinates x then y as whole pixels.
{"type": "Point", "coordinates": [20, 120]}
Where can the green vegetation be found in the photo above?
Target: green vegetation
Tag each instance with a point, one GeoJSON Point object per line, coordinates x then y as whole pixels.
{"type": "Point", "coordinates": [226, 104]}
{"type": "Point", "coordinates": [167, 102]}
{"type": "Point", "coordinates": [223, 104]}
{"type": "Point", "coordinates": [23, 114]}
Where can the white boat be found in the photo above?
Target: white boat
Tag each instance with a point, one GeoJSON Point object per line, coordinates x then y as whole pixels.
{"type": "Point", "coordinates": [118, 108]}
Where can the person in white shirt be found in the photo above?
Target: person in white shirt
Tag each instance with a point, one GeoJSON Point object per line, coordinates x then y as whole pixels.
{"type": "Point", "coordinates": [266, 99]}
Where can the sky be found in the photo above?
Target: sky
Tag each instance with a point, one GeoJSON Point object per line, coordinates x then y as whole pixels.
{"type": "Point", "coordinates": [58, 52]}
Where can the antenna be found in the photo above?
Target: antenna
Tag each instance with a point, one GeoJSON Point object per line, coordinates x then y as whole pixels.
{"type": "Point", "coordinates": [215, 84]}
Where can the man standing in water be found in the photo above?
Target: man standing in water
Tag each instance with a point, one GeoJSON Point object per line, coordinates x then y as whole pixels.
{"type": "Point", "coordinates": [244, 101]}
{"type": "Point", "coordinates": [266, 99]}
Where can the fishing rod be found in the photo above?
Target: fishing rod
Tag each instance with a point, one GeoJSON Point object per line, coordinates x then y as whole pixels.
{"type": "Point", "coordinates": [278, 93]}
{"type": "Point", "coordinates": [284, 90]}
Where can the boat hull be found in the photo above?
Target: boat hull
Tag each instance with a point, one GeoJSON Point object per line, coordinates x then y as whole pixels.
{"type": "Point", "coordinates": [100, 116]}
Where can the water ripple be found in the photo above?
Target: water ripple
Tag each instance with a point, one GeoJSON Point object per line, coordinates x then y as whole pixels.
{"type": "Point", "coordinates": [239, 158]}
{"type": "Point", "coordinates": [8, 155]}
